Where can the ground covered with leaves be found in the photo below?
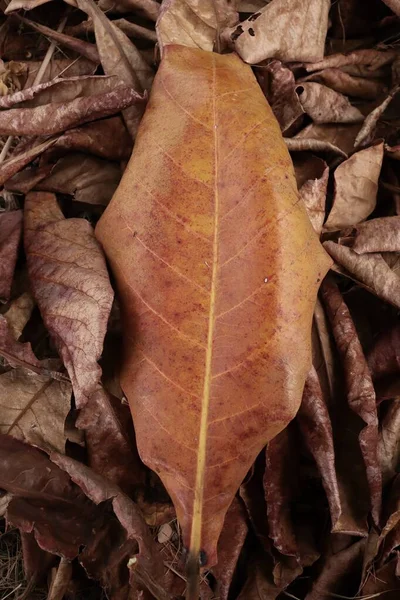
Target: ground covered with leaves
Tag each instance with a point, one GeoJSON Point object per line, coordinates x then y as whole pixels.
{"type": "Point", "coordinates": [318, 515]}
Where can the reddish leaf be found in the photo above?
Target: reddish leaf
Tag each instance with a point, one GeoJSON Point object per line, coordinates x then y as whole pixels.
{"type": "Point", "coordinates": [193, 239]}
{"type": "Point", "coordinates": [315, 426]}
{"type": "Point", "coordinates": [70, 283]}
{"type": "Point", "coordinates": [259, 585]}
{"type": "Point", "coordinates": [389, 441]}
{"type": "Point", "coordinates": [384, 358]}
{"type": "Point", "coordinates": [359, 387]}
{"type": "Point", "coordinates": [384, 582]}
{"type": "Point", "coordinates": [19, 161]}
{"type": "Point", "coordinates": [10, 235]}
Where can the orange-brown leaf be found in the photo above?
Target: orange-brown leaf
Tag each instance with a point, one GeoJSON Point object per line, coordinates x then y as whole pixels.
{"type": "Point", "coordinates": [217, 266]}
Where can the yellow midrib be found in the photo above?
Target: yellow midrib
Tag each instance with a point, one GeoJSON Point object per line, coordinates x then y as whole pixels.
{"type": "Point", "coordinates": [195, 537]}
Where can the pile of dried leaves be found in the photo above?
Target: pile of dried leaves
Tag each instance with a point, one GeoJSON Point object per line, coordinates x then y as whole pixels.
{"type": "Point", "coordinates": [318, 515]}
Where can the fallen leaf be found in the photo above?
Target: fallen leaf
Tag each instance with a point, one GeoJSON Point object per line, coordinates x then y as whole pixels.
{"type": "Point", "coordinates": [340, 136]}
{"type": "Point", "coordinates": [10, 236]}
{"type": "Point", "coordinates": [65, 262]}
{"type": "Point", "coordinates": [14, 164]}
{"type": "Point", "coordinates": [147, 8]}
{"type": "Point", "coordinates": [324, 105]}
{"type": "Point", "coordinates": [356, 186]}
{"type": "Point", "coordinates": [289, 30]}
{"type": "Point", "coordinates": [370, 58]}
{"type": "Point", "coordinates": [394, 5]}
{"type": "Point", "coordinates": [378, 235]}
{"type": "Point", "coordinates": [301, 144]}
{"type": "Point", "coordinates": [315, 426]}
{"type": "Point", "coordinates": [85, 49]}
{"type": "Point", "coordinates": [87, 178]}
{"type": "Point", "coordinates": [18, 314]}
{"type": "Point", "coordinates": [230, 544]}
{"type": "Point", "coordinates": [339, 573]}
{"type": "Point", "coordinates": [194, 23]}
{"type": "Point", "coordinates": [111, 451]}
{"type": "Point", "coordinates": [313, 194]}
{"type": "Point", "coordinates": [259, 584]}
{"type": "Point", "coordinates": [24, 4]}
{"type": "Point", "coordinates": [15, 352]}
{"type": "Point", "coordinates": [152, 374]}
{"type": "Point", "coordinates": [385, 581]}
{"type": "Point", "coordinates": [384, 357]}
{"type": "Point", "coordinates": [58, 67]}
{"type": "Point", "coordinates": [359, 387]}
{"type": "Point", "coordinates": [370, 270]}
{"type": "Point", "coordinates": [366, 133]}
{"type": "Point", "coordinates": [36, 408]}
{"type": "Point", "coordinates": [278, 84]}
{"type": "Point", "coordinates": [389, 441]}
{"type": "Point", "coordinates": [119, 57]}
{"type": "Point", "coordinates": [60, 578]}
{"type": "Point", "coordinates": [56, 117]}
{"type": "Point", "coordinates": [344, 83]}
{"type": "Point", "coordinates": [130, 29]}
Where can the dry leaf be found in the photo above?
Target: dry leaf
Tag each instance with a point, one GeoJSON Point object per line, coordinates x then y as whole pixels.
{"type": "Point", "coordinates": [70, 284]}
{"type": "Point", "coordinates": [259, 585]}
{"type": "Point", "coordinates": [356, 186]}
{"type": "Point", "coordinates": [389, 441]}
{"type": "Point", "coordinates": [394, 5]}
{"type": "Point", "coordinates": [371, 59]}
{"type": "Point", "coordinates": [15, 352]}
{"type": "Point", "coordinates": [130, 29]}
{"type": "Point", "coordinates": [313, 194]}
{"type": "Point", "coordinates": [378, 235]}
{"type": "Point", "coordinates": [278, 84]}
{"type": "Point", "coordinates": [385, 581]}
{"type": "Point", "coordinates": [18, 314]}
{"type": "Point", "coordinates": [147, 8]}
{"type": "Point", "coordinates": [299, 144]}
{"type": "Point", "coordinates": [370, 270]}
{"type": "Point", "coordinates": [315, 426]}
{"type": "Point", "coordinates": [119, 57]}
{"type": "Point", "coordinates": [384, 357]}
{"type": "Point", "coordinates": [290, 30]}
{"type": "Point", "coordinates": [19, 161]}
{"type": "Point", "coordinates": [194, 23]}
{"type": "Point", "coordinates": [194, 238]}
{"type": "Point", "coordinates": [324, 105]}
{"type": "Point", "coordinates": [58, 67]}
{"type": "Point", "coordinates": [340, 136]}
{"type": "Point", "coordinates": [58, 116]}
{"type": "Point", "coordinates": [36, 408]}
{"type": "Point", "coordinates": [10, 235]}
{"type": "Point", "coordinates": [24, 4]}
{"type": "Point", "coordinates": [359, 387]}
{"type": "Point", "coordinates": [344, 83]}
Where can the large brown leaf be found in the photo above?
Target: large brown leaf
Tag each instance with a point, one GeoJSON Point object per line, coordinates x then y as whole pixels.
{"type": "Point", "coordinates": [214, 291]}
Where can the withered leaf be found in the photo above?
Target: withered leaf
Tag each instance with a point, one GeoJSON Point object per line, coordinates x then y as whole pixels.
{"type": "Point", "coordinates": [15, 352]}
{"type": "Point", "coordinates": [324, 105]}
{"type": "Point", "coordinates": [359, 387]}
{"type": "Point", "coordinates": [120, 57]}
{"type": "Point", "coordinates": [384, 357]}
{"type": "Point", "coordinates": [394, 5]}
{"type": "Point", "coordinates": [370, 58]}
{"type": "Point", "coordinates": [356, 186]}
{"type": "Point", "coordinates": [19, 161]}
{"type": "Point", "coordinates": [36, 408]}
{"type": "Point", "coordinates": [370, 270]}
{"type": "Point", "coordinates": [367, 131]}
{"type": "Point", "coordinates": [260, 585]}
{"type": "Point", "coordinates": [385, 581]}
{"type": "Point", "coordinates": [315, 426]}
{"type": "Point", "coordinates": [18, 313]}
{"type": "Point", "coordinates": [389, 441]}
{"type": "Point", "coordinates": [25, 4]}
{"type": "Point", "coordinates": [299, 144]}
{"type": "Point", "coordinates": [290, 30]}
{"type": "Point", "coordinates": [193, 239]}
{"type": "Point", "coordinates": [147, 8]}
{"type": "Point", "coordinates": [378, 235]}
{"type": "Point", "coordinates": [130, 29]}
{"type": "Point", "coordinates": [58, 67]}
{"type": "Point", "coordinates": [57, 116]}
{"type": "Point", "coordinates": [194, 23]}
{"type": "Point", "coordinates": [70, 283]}
{"type": "Point", "coordinates": [340, 136]}
{"type": "Point", "coordinates": [10, 235]}
{"type": "Point", "coordinates": [342, 82]}
{"type": "Point", "coordinates": [313, 194]}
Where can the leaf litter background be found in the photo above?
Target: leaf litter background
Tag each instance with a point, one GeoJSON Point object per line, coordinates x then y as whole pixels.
{"type": "Point", "coordinates": [318, 515]}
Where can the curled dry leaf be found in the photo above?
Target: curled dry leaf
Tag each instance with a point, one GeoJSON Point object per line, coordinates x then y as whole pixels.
{"type": "Point", "coordinates": [370, 270]}
{"type": "Point", "coordinates": [85, 49]}
{"type": "Point", "coordinates": [356, 186]}
{"type": "Point", "coordinates": [87, 178]}
{"type": "Point", "coordinates": [70, 283]}
{"type": "Point", "coordinates": [359, 387]}
{"type": "Point", "coordinates": [58, 67]}
{"type": "Point", "coordinates": [58, 116]}
{"type": "Point", "coordinates": [120, 57]}
{"type": "Point", "coordinates": [384, 358]}
{"type": "Point", "coordinates": [10, 235]}
{"type": "Point", "coordinates": [289, 30]}
{"type": "Point", "coordinates": [389, 441]}
{"type": "Point", "coordinates": [370, 58]}
{"type": "Point", "coordinates": [146, 8]}
{"type": "Point", "coordinates": [230, 544]}
{"type": "Point", "coordinates": [147, 563]}
{"type": "Point", "coordinates": [278, 84]}
{"type": "Point", "coordinates": [24, 4]}
{"type": "Point", "coordinates": [340, 136]}
{"type": "Point", "coordinates": [196, 248]}
{"type": "Point", "coordinates": [300, 144]}
{"type": "Point", "coordinates": [19, 161]}
{"type": "Point", "coordinates": [36, 408]}
{"type": "Point", "coordinates": [313, 194]}
{"type": "Point", "coordinates": [367, 131]}
{"type": "Point", "coordinates": [346, 84]}
{"type": "Point", "coordinates": [324, 105]}
{"type": "Point", "coordinates": [130, 29]}
{"type": "Point", "coordinates": [315, 426]}
{"type": "Point", "coordinates": [194, 23]}
{"type": "Point", "coordinates": [378, 235]}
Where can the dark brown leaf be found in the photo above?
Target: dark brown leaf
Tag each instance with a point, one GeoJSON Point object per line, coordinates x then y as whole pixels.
{"type": "Point", "coordinates": [359, 387]}
{"type": "Point", "coordinates": [366, 133]}
{"type": "Point", "coordinates": [130, 29]}
{"type": "Point", "coordinates": [147, 8]}
{"type": "Point", "coordinates": [370, 270]}
{"type": "Point", "coordinates": [389, 441]}
{"type": "Point", "coordinates": [378, 235]}
{"type": "Point", "coordinates": [19, 161]}
{"type": "Point", "coordinates": [315, 426]}
{"type": "Point", "coordinates": [384, 582]}
{"type": "Point", "coordinates": [384, 357]}
{"type": "Point", "coordinates": [346, 84]}
{"type": "Point", "coordinates": [278, 84]}
{"type": "Point", "coordinates": [259, 585]}
{"type": "Point", "coordinates": [10, 235]}
{"type": "Point", "coordinates": [70, 283]}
